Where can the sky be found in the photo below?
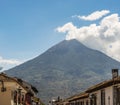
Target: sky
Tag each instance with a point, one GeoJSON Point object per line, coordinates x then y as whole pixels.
{"type": "Point", "coordinates": [30, 27]}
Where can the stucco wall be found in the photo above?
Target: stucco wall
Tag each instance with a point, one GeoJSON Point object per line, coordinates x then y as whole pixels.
{"type": "Point", "coordinates": [109, 96]}
{"type": "Point", "coordinates": [6, 97]}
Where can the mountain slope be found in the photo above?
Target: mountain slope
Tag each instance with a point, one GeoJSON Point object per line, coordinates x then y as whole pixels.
{"type": "Point", "coordinates": [65, 69]}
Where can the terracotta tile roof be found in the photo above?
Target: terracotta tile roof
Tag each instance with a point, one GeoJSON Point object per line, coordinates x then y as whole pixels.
{"type": "Point", "coordinates": [78, 96]}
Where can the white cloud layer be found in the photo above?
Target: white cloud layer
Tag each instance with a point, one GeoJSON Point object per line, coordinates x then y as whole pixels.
{"type": "Point", "coordinates": [8, 63]}
{"type": "Point", "coordinates": [94, 16]}
{"type": "Point", "coordinates": [104, 37]}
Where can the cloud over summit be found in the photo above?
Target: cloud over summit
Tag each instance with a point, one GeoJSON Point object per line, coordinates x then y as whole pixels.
{"type": "Point", "coordinates": [104, 37]}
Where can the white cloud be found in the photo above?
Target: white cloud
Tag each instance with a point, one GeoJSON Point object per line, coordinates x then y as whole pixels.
{"type": "Point", "coordinates": [104, 37]}
{"type": "Point", "coordinates": [69, 28]}
{"type": "Point", "coordinates": [8, 63]}
{"type": "Point", "coordinates": [94, 16]}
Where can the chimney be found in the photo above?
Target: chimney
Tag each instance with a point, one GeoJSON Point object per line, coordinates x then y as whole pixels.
{"type": "Point", "coordinates": [114, 73]}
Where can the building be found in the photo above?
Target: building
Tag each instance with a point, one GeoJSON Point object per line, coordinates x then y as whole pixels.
{"type": "Point", "coordinates": [104, 93]}
{"type": "Point", "coordinates": [80, 99]}
{"type": "Point", "coordinates": [15, 91]}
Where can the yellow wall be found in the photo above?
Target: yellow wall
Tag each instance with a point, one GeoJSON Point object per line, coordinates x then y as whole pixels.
{"type": "Point", "coordinates": [6, 97]}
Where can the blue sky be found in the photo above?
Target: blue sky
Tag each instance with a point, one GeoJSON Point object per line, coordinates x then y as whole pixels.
{"type": "Point", "coordinates": [27, 27]}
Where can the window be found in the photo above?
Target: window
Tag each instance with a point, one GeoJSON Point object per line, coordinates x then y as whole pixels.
{"type": "Point", "coordinates": [116, 95]}
{"type": "Point", "coordinates": [87, 102]}
{"type": "Point", "coordinates": [15, 97]}
{"type": "Point", "coordinates": [102, 97]}
{"type": "Point", "coordinates": [93, 99]}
